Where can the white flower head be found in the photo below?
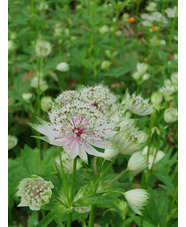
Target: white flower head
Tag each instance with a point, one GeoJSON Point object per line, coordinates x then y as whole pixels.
{"type": "Point", "coordinates": [77, 127]}
{"type": "Point", "coordinates": [137, 105]}
{"type": "Point", "coordinates": [67, 163]}
{"type": "Point", "coordinates": [43, 48]}
{"type": "Point", "coordinates": [128, 140]}
{"type": "Point", "coordinates": [104, 29]}
{"type": "Point", "coordinates": [171, 12]}
{"type": "Point", "coordinates": [82, 209]}
{"type": "Point", "coordinates": [98, 96]}
{"type": "Point", "coordinates": [105, 64]}
{"type": "Point", "coordinates": [141, 67]}
{"type": "Point", "coordinates": [58, 29]}
{"type": "Point", "coordinates": [42, 6]}
{"type": "Point", "coordinates": [27, 96]}
{"type": "Point", "coordinates": [137, 162]}
{"type": "Point", "coordinates": [154, 156]}
{"type": "Point", "coordinates": [125, 17]}
{"type": "Point", "coordinates": [35, 82]}
{"type": "Point", "coordinates": [11, 45]}
{"type": "Point", "coordinates": [171, 115]}
{"type": "Point", "coordinates": [46, 103]}
{"type": "Point", "coordinates": [66, 97]}
{"type": "Point", "coordinates": [63, 67]}
{"type": "Point", "coordinates": [137, 199]}
{"type": "Point", "coordinates": [118, 33]}
{"type": "Point", "coordinates": [151, 6]}
{"type": "Point", "coordinates": [12, 141]}
{"type": "Point", "coordinates": [157, 97]}
{"type": "Point", "coordinates": [34, 192]}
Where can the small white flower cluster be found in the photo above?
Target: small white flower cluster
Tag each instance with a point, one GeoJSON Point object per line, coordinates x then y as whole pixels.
{"type": "Point", "coordinates": [34, 192]}
{"type": "Point", "coordinates": [171, 12]}
{"type": "Point", "coordinates": [43, 48]}
{"type": "Point", "coordinates": [66, 97]}
{"type": "Point", "coordinates": [151, 6]}
{"type": "Point", "coordinates": [150, 19]}
{"type": "Point", "coordinates": [42, 6]}
{"type": "Point", "coordinates": [39, 82]}
{"type": "Point", "coordinates": [170, 87]}
{"type": "Point", "coordinates": [141, 74]}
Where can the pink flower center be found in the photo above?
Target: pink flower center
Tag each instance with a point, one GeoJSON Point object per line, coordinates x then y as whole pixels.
{"type": "Point", "coordinates": [78, 131]}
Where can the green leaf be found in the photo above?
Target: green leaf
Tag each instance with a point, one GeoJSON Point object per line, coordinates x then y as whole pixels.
{"type": "Point", "coordinates": [33, 220]}
{"type": "Point", "coordinates": [30, 159]}
{"type": "Point", "coordinates": [117, 72]}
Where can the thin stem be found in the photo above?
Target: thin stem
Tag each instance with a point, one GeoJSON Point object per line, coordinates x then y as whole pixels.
{"type": "Point", "coordinates": [58, 200]}
{"type": "Point", "coordinates": [63, 174]}
{"type": "Point", "coordinates": [116, 178]}
{"type": "Point", "coordinates": [100, 177]}
{"type": "Point", "coordinates": [71, 192]}
{"type": "Point", "coordinates": [91, 217]}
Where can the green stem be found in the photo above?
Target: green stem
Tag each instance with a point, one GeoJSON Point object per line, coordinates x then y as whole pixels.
{"type": "Point", "coordinates": [71, 192]}
{"type": "Point", "coordinates": [63, 174]}
{"type": "Point", "coordinates": [116, 178]}
{"type": "Point", "coordinates": [91, 217]}
{"type": "Point", "coordinates": [100, 177]}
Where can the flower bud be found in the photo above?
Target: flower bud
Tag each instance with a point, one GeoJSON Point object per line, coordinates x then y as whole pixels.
{"type": "Point", "coordinates": [156, 97]}
{"type": "Point", "coordinates": [137, 162]}
{"type": "Point", "coordinates": [82, 209]}
{"type": "Point", "coordinates": [171, 115]}
{"type": "Point", "coordinates": [104, 29]}
{"type": "Point", "coordinates": [46, 103]}
{"type": "Point", "coordinates": [63, 67]}
{"type": "Point", "coordinates": [27, 96]}
{"type": "Point", "coordinates": [105, 64]}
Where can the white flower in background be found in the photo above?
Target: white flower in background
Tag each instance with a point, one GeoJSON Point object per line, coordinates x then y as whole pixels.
{"type": "Point", "coordinates": [146, 23]}
{"type": "Point", "coordinates": [12, 141]}
{"type": "Point", "coordinates": [125, 17]}
{"type": "Point", "coordinates": [141, 67]}
{"type": "Point", "coordinates": [67, 32]}
{"type": "Point", "coordinates": [151, 6]}
{"type": "Point", "coordinates": [175, 37]}
{"type": "Point", "coordinates": [157, 42]}
{"type": "Point", "coordinates": [137, 199]}
{"type": "Point", "coordinates": [171, 12]}
{"type": "Point", "coordinates": [42, 6]}
{"type": "Point", "coordinates": [27, 96]}
{"type": "Point", "coordinates": [175, 57]}
{"type": "Point", "coordinates": [110, 153]}
{"type": "Point", "coordinates": [137, 162]}
{"type": "Point", "coordinates": [156, 16]}
{"type": "Point", "coordinates": [35, 82]}
{"type": "Point", "coordinates": [128, 140]}
{"type": "Point", "coordinates": [63, 67]}
{"type": "Point", "coordinates": [98, 96]}
{"type": "Point", "coordinates": [104, 29]}
{"type": "Point", "coordinates": [11, 45]}
{"type": "Point", "coordinates": [43, 48]}
{"type": "Point", "coordinates": [66, 97]}
{"type": "Point", "coordinates": [67, 163]}
{"type": "Point", "coordinates": [77, 127]}
{"type": "Point", "coordinates": [105, 64]}
{"type": "Point", "coordinates": [140, 75]}
{"type": "Point", "coordinates": [174, 80]}
{"type": "Point", "coordinates": [46, 103]}
{"type": "Point", "coordinates": [171, 115]}
{"type": "Point", "coordinates": [34, 192]}
{"type": "Point", "coordinates": [154, 156]}
{"type": "Point", "coordinates": [82, 209]}
{"type": "Point", "coordinates": [156, 99]}
{"type": "Point", "coordinates": [137, 105]}
{"type": "Point", "coordinates": [145, 16]}
{"type": "Point", "coordinates": [58, 30]}
{"type": "Point", "coordinates": [118, 33]}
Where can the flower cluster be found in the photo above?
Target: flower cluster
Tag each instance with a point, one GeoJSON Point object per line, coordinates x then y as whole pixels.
{"type": "Point", "coordinates": [43, 48]}
{"type": "Point", "coordinates": [34, 192]}
{"type": "Point", "coordinates": [141, 75]}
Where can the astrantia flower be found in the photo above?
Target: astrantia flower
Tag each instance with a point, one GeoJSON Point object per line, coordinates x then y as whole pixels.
{"type": "Point", "coordinates": [98, 96]}
{"type": "Point", "coordinates": [104, 29]}
{"type": "Point", "coordinates": [128, 140]}
{"type": "Point", "coordinates": [63, 67]}
{"type": "Point", "coordinates": [105, 64]}
{"type": "Point", "coordinates": [34, 192]}
{"type": "Point", "coordinates": [137, 105]}
{"type": "Point", "coordinates": [151, 6]}
{"type": "Point", "coordinates": [46, 103]}
{"type": "Point", "coordinates": [66, 97]}
{"type": "Point", "coordinates": [11, 45]}
{"type": "Point", "coordinates": [43, 48]}
{"type": "Point", "coordinates": [140, 75]}
{"type": "Point", "coordinates": [137, 161]}
{"type": "Point", "coordinates": [154, 156]}
{"type": "Point", "coordinates": [77, 127]}
{"type": "Point", "coordinates": [171, 115]}
{"type": "Point", "coordinates": [27, 96]}
{"type": "Point", "coordinates": [82, 209]}
{"type": "Point", "coordinates": [67, 163]}
{"type": "Point", "coordinates": [12, 141]}
{"type": "Point", "coordinates": [137, 199]}
{"type": "Point", "coordinates": [43, 5]}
